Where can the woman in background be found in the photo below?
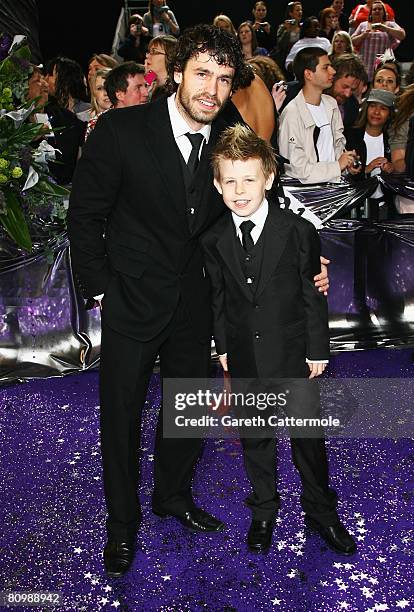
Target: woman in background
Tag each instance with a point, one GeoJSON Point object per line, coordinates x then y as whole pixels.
{"type": "Point", "coordinates": [329, 23]}
{"type": "Point", "coordinates": [262, 28]}
{"type": "Point", "coordinates": [159, 19]}
{"type": "Point", "coordinates": [224, 23]}
{"type": "Point", "coordinates": [67, 85]}
{"type": "Point", "coordinates": [248, 41]}
{"type": "Point", "coordinates": [287, 33]}
{"type": "Point", "coordinates": [134, 46]}
{"type": "Point", "coordinates": [373, 37]}
{"type": "Point", "coordinates": [267, 70]}
{"type": "Point", "coordinates": [369, 138]}
{"type": "Point", "coordinates": [338, 7]}
{"type": "Point", "coordinates": [161, 52]}
{"type": "Point", "coordinates": [100, 102]}
{"type": "Point", "coordinates": [341, 43]}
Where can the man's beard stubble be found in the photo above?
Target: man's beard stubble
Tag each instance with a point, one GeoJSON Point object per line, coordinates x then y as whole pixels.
{"type": "Point", "coordinates": [185, 100]}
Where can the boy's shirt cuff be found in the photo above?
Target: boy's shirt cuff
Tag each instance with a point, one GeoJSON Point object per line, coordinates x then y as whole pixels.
{"type": "Point", "coordinates": [317, 360]}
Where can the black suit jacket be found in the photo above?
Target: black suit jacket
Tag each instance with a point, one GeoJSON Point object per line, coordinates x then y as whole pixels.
{"type": "Point", "coordinates": [128, 225]}
{"type": "Point", "coordinates": [270, 333]}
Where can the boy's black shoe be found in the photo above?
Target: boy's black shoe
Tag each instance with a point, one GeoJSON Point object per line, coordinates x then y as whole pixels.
{"type": "Point", "coordinates": [195, 519]}
{"type": "Point", "coordinates": [259, 537]}
{"type": "Point", "coordinates": [336, 536]}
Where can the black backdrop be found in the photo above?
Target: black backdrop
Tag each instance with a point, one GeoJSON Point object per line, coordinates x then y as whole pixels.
{"type": "Point", "coordinates": [79, 29]}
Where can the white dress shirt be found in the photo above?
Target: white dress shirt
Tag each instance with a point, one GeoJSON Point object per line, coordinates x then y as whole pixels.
{"type": "Point", "coordinates": [180, 127]}
{"type": "Point", "coordinates": [258, 217]}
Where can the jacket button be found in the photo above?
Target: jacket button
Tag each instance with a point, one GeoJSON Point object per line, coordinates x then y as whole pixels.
{"type": "Point", "coordinates": [256, 306]}
{"type": "Point", "coordinates": [257, 335]}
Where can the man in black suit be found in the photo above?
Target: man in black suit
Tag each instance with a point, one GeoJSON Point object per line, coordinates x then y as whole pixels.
{"type": "Point", "coordinates": [270, 324]}
{"type": "Point", "coordinates": [142, 195]}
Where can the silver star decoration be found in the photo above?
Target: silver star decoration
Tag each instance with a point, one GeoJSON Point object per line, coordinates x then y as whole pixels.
{"type": "Point", "coordinates": [367, 592]}
{"type": "Point", "coordinates": [165, 578]}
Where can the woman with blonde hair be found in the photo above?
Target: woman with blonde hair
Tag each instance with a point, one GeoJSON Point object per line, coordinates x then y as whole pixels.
{"type": "Point", "coordinates": [100, 102]}
{"type": "Point", "coordinates": [224, 23]}
{"type": "Point", "coordinates": [341, 43]}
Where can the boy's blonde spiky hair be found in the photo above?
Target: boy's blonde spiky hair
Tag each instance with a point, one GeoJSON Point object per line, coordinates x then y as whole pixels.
{"type": "Point", "coordinates": [240, 143]}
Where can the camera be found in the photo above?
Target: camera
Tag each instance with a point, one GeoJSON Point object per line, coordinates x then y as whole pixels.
{"type": "Point", "coordinates": [164, 9]}
{"type": "Point", "coordinates": [281, 85]}
{"type": "Point", "coordinates": [291, 21]}
{"type": "Point", "coordinates": [357, 163]}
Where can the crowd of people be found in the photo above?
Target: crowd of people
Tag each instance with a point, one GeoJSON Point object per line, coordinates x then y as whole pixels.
{"type": "Point", "coordinates": [359, 47]}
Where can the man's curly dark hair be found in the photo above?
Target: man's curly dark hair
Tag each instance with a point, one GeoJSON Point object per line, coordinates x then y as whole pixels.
{"type": "Point", "coordinates": [221, 45]}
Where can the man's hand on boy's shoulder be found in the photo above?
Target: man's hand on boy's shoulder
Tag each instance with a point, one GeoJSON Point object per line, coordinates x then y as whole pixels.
{"type": "Point", "coordinates": [322, 279]}
{"type": "Point", "coordinates": [316, 368]}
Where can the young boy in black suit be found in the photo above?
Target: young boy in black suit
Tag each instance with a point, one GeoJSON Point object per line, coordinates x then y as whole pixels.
{"type": "Point", "coordinates": [270, 322]}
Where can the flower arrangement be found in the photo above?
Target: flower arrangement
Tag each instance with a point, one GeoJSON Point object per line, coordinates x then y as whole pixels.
{"type": "Point", "coordinates": [27, 190]}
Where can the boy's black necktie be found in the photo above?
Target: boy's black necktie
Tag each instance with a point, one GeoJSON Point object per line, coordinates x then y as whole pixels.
{"type": "Point", "coordinates": [247, 240]}
{"type": "Point", "coordinates": [196, 140]}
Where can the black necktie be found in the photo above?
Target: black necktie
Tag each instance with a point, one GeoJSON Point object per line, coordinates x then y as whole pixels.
{"type": "Point", "coordinates": [247, 240]}
{"type": "Point", "coordinates": [196, 140]}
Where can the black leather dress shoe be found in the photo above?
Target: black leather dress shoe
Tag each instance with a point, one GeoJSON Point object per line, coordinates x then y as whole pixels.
{"type": "Point", "coordinates": [195, 519]}
{"type": "Point", "coordinates": [118, 557]}
{"type": "Point", "coordinates": [336, 536]}
{"type": "Point", "coordinates": [259, 537]}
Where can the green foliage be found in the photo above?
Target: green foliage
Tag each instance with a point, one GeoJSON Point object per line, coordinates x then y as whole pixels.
{"type": "Point", "coordinates": [27, 190]}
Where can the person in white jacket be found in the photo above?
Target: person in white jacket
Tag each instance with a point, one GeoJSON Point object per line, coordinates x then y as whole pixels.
{"type": "Point", "coordinates": [311, 130]}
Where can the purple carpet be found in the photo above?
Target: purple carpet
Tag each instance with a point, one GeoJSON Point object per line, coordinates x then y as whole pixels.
{"type": "Point", "coordinates": [52, 514]}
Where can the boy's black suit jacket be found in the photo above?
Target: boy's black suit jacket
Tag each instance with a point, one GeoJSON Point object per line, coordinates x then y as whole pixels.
{"type": "Point", "coordinates": [269, 333]}
{"type": "Point", "coordinates": [128, 223]}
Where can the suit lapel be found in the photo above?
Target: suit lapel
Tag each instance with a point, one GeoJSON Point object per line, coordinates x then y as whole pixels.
{"type": "Point", "coordinates": [276, 231]}
{"type": "Point", "coordinates": [227, 247]}
{"type": "Point", "coordinates": [165, 153]}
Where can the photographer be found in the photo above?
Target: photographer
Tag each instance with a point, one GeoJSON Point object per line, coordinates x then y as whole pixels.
{"type": "Point", "coordinates": [160, 19]}
{"type": "Point", "coordinates": [134, 46]}
{"type": "Point", "coordinates": [373, 37]}
{"type": "Point", "coordinates": [287, 34]}
{"type": "Point", "coordinates": [262, 28]}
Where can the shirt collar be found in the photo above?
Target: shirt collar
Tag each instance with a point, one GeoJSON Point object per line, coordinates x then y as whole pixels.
{"type": "Point", "coordinates": [179, 125]}
{"type": "Point", "coordinates": [258, 217]}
